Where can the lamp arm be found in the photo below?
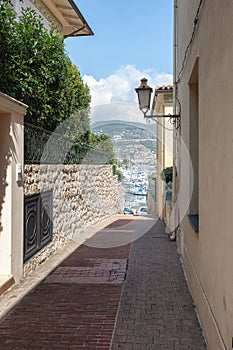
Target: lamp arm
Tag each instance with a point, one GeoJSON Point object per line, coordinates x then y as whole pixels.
{"type": "Point", "coordinates": [174, 119]}
{"type": "Point", "coordinates": [170, 116]}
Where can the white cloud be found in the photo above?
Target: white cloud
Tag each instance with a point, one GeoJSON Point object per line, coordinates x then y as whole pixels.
{"type": "Point", "coordinates": [116, 111]}
{"type": "Point", "coordinates": [114, 97]}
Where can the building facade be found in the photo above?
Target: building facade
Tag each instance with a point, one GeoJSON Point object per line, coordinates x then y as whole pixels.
{"type": "Point", "coordinates": [64, 14]}
{"type": "Point", "coordinates": [163, 105]}
{"type": "Point", "coordinates": [205, 240]}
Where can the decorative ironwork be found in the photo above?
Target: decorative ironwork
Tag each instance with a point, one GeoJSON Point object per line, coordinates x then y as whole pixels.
{"type": "Point", "coordinates": [168, 191]}
{"type": "Point", "coordinates": [46, 147]}
{"type": "Point", "coordinates": [38, 226]}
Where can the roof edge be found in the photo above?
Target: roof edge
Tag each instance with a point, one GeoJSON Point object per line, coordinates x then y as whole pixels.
{"type": "Point", "coordinates": [72, 3]}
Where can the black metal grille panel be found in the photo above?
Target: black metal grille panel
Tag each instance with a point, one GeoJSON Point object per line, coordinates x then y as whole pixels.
{"type": "Point", "coordinates": [38, 222]}
{"type": "Point", "coordinates": [46, 147]}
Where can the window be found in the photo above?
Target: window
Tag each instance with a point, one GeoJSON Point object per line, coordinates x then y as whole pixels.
{"type": "Point", "coordinates": [193, 144]}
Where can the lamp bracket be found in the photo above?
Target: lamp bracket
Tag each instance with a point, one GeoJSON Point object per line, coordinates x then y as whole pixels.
{"type": "Point", "coordinates": [174, 119]}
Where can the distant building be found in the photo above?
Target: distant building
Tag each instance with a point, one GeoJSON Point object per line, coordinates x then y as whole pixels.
{"type": "Point", "coordinates": [163, 105]}
{"type": "Point", "coordinates": [64, 14]}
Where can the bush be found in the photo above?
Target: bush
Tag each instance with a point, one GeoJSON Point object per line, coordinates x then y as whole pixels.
{"type": "Point", "coordinates": [166, 174]}
{"type": "Point", "coordinates": [35, 69]}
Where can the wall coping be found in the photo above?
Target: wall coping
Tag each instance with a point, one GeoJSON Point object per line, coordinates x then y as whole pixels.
{"type": "Point", "coordinates": [9, 104]}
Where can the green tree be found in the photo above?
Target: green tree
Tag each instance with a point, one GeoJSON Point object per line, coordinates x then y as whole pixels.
{"type": "Point", "coordinates": [103, 143]}
{"type": "Point", "coordinates": [125, 163]}
{"type": "Point", "coordinates": [35, 69]}
{"type": "Point", "coordinates": [119, 175]}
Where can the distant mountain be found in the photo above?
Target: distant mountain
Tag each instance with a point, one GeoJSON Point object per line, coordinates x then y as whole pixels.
{"type": "Point", "coordinates": [125, 129]}
{"type": "Point", "coordinates": [131, 140]}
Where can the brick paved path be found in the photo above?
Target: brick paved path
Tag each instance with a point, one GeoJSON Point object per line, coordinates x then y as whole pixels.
{"type": "Point", "coordinates": [156, 310]}
{"type": "Point", "coordinates": [76, 306]}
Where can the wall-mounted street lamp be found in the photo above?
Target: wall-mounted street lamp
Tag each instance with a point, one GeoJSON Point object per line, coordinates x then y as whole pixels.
{"type": "Point", "coordinates": [144, 97]}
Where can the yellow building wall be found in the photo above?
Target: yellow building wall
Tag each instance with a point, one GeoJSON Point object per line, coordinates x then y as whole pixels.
{"type": "Point", "coordinates": [164, 151]}
{"type": "Point", "coordinates": [208, 255]}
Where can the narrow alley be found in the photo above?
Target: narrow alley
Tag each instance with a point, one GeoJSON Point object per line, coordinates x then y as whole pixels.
{"type": "Point", "coordinates": [109, 295]}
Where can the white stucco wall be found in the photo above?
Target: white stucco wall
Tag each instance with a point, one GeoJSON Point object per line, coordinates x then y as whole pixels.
{"type": "Point", "coordinates": [11, 191]}
{"type": "Point", "coordinates": [40, 8]}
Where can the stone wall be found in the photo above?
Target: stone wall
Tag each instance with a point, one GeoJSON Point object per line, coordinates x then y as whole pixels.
{"type": "Point", "coordinates": [151, 204]}
{"type": "Point", "coordinates": [83, 196]}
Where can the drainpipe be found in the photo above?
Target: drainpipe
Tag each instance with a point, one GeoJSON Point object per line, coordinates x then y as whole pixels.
{"type": "Point", "coordinates": [174, 172]}
{"type": "Point", "coordinates": [163, 166]}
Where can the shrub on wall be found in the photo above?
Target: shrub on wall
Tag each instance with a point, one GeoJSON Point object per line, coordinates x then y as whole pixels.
{"type": "Point", "coordinates": [35, 69]}
{"type": "Point", "coordinates": [166, 174]}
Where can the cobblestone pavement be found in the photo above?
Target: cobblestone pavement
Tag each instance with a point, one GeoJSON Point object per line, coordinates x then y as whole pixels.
{"type": "Point", "coordinates": [156, 309]}
{"type": "Point", "coordinates": [77, 305]}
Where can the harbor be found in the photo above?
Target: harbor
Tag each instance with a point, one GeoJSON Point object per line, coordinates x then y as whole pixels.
{"type": "Point", "coordinates": [136, 188]}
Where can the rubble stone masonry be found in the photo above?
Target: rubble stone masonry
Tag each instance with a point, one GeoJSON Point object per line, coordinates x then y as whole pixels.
{"type": "Point", "coordinates": [83, 196]}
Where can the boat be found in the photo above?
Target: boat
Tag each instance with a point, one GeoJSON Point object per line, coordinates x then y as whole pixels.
{"type": "Point", "coordinates": [138, 190]}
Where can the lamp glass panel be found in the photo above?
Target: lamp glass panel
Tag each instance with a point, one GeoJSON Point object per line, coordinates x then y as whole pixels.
{"type": "Point", "coordinates": [144, 98]}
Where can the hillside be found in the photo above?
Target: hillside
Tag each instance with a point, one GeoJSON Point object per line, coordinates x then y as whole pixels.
{"type": "Point", "coordinates": [114, 128]}
{"type": "Point", "coordinates": [133, 141]}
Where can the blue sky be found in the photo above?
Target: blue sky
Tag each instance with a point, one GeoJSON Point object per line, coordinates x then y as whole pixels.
{"type": "Point", "coordinates": [132, 39]}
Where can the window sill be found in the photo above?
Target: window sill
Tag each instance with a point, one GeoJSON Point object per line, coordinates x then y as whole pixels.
{"type": "Point", "coordinates": [194, 221]}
